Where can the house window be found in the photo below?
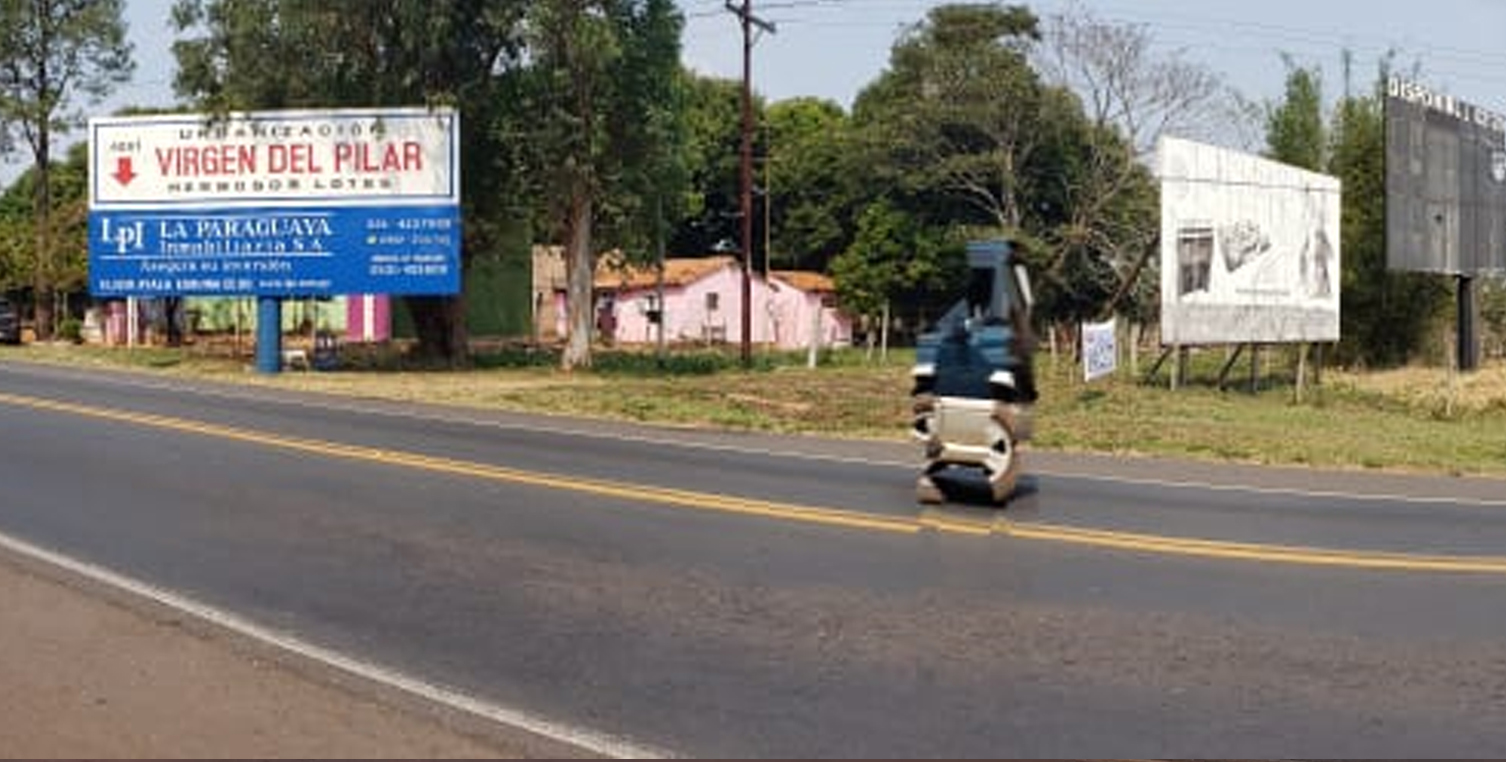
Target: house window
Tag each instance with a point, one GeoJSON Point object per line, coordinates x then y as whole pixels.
{"type": "Point", "coordinates": [713, 300]}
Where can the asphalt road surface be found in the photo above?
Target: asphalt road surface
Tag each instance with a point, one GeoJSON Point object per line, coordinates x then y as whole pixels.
{"type": "Point", "coordinates": [647, 591]}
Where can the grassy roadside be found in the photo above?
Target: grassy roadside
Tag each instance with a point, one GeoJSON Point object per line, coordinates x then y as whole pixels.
{"type": "Point", "coordinates": [1415, 419]}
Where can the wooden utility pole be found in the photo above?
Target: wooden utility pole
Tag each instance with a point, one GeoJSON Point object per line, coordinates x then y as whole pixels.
{"type": "Point", "coordinates": [744, 13]}
{"type": "Point", "coordinates": [659, 275]}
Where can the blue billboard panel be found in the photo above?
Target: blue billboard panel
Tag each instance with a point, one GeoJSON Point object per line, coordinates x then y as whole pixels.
{"type": "Point", "coordinates": [294, 251]}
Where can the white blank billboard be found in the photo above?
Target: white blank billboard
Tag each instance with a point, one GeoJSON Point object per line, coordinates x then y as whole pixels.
{"type": "Point", "coordinates": [1249, 248]}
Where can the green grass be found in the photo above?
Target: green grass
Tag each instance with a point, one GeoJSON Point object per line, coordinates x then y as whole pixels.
{"type": "Point", "coordinates": [1419, 419]}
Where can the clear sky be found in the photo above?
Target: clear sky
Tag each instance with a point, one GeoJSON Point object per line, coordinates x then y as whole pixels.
{"type": "Point", "coordinates": [832, 48]}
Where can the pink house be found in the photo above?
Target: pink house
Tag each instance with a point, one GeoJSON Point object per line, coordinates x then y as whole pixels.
{"type": "Point", "coordinates": [703, 303]}
{"type": "Point", "coordinates": [368, 318]}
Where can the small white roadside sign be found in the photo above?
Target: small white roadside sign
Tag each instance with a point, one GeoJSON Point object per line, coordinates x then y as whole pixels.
{"type": "Point", "coordinates": [1100, 353]}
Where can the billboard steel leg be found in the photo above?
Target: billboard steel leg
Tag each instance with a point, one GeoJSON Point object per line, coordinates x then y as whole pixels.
{"type": "Point", "coordinates": [1223, 373]}
{"type": "Point", "coordinates": [268, 334]}
{"type": "Point", "coordinates": [1466, 350]}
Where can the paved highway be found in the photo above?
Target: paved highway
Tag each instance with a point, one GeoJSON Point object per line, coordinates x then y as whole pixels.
{"type": "Point", "coordinates": [640, 590]}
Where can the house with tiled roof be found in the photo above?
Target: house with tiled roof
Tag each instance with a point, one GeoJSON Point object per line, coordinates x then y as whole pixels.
{"type": "Point", "coordinates": [703, 304]}
{"type": "Point", "coordinates": [805, 280]}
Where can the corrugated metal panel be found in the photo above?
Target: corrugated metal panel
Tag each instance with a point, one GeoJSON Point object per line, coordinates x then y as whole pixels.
{"type": "Point", "coordinates": [1445, 189]}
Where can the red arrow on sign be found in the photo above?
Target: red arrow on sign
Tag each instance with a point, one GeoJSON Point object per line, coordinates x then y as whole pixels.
{"type": "Point", "coordinates": [123, 171]}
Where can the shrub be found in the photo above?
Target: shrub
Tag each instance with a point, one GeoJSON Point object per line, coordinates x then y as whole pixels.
{"type": "Point", "coordinates": [71, 330]}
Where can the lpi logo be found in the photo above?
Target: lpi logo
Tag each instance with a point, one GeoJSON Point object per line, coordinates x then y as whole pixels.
{"type": "Point", "coordinates": [125, 238]}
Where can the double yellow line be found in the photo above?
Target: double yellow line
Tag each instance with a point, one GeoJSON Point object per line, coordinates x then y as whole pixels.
{"type": "Point", "coordinates": [935, 521]}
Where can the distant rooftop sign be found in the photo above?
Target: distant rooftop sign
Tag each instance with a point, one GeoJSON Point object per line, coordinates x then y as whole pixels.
{"type": "Point", "coordinates": [1445, 183]}
{"type": "Point", "coordinates": [290, 203]}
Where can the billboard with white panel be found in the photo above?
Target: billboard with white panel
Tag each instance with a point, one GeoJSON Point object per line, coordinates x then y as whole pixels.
{"type": "Point", "coordinates": [277, 203]}
{"type": "Point", "coordinates": [1249, 248]}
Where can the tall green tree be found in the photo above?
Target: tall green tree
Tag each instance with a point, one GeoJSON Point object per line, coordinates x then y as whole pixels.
{"type": "Point", "coordinates": [52, 54]}
{"type": "Point", "coordinates": [972, 138]}
{"type": "Point", "coordinates": [810, 189]}
{"type": "Point", "coordinates": [943, 138]}
{"type": "Point", "coordinates": [1493, 316]}
{"type": "Point", "coordinates": [650, 133]}
{"type": "Point", "coordinates": [956, 111]}
{"type": "Point", "coordinates": [1295, 133]}
{"type": "Point", "coordinates": [68, 224]}
{"type": "Point", "coordinates": [891, 254]}
{"type": "Point", "coordinates": [598, 68]}
{"type": "Point", "coordinates": [712, 152]}
{"type": "Point", "coordinates": [241, 55]}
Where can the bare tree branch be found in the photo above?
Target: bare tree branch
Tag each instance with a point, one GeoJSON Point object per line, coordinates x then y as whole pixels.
{"type": "Point", "coordinates": [1123, 83]}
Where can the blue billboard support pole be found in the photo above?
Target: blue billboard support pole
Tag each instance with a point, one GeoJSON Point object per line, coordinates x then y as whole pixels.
{"type": "Point", "coordinates": [268, 334]}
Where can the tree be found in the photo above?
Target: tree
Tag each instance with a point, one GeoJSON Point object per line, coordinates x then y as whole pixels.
{"type": "Point", "coordinates": [51, 53]}
{"type": "Point", "coordinates": [596, 69]}
{"type": "Point", "coordinates": [1124, 82]}
{"type": "Point", "coordinates": [650, 133]}
{"type": "Point", "coordinates": [236, 55]}
{"type": "Point", "coordinates": [1493, 316]}
{"type": "Point", "coordinates": [68, 225]}
{"type": "Point", "coordinates": [1130, 95]}
{"type": "Point", "coordinates": [18, 239]}
{"type": "Point", "coordinates": [713, 141]}
{"type": "Point", "coordinates": [961, 116]}
{"type": "Point", "coordinates": [1094, 209]}
{"type": "Point", "coordinates": [956, 112]}
{"type": "Point", "coordinates": [812, 196]}
{"type": "Point", "coordinates": [891, 253]}
{"type": "Point", "coordinates": [1294, 127]}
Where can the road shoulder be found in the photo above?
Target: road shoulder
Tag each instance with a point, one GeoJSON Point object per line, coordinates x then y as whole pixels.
{"type": "Point", "coordinates": [95, 672]}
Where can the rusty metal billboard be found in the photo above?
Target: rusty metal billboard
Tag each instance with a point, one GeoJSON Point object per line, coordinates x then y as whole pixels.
{"type": "Point", "coordinates": [1445, 183]}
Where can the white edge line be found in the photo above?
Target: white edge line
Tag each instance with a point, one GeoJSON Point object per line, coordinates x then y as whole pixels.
{"type": "Point", "coordinates": [343, 404]}
{"type": "Point", "coordinates": [593, 741]}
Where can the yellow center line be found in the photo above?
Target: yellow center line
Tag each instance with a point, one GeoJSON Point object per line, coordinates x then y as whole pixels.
{"type": "Point", "coordinates": [659, 495]}
{"type": "Point", "coordinates": [706, 501]}
{"type": "Point", "coordinates": [1288, 554]}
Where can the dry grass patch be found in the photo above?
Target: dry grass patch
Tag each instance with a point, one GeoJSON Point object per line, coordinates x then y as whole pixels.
{"type": "Point", "coordinates": [1436, 391]}
{"type": "Point", "coordinates": [1413, 418]}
